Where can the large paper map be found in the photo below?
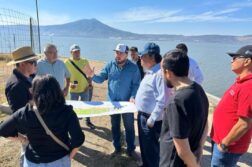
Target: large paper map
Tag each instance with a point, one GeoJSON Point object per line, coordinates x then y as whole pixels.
{"type": "Point", "coordinates": [101, 108]}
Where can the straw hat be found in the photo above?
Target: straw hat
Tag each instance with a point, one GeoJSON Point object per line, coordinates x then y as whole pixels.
{"type": "Point", "coordinates": [22, 54]}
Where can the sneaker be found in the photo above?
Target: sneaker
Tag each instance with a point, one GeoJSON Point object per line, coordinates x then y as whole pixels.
{"type": "Point", "coordinates": [134, 155]}
{"type": "Point", "coordinates": [90, 125]}
{"type": "Point", "coordinates": [115, 153]}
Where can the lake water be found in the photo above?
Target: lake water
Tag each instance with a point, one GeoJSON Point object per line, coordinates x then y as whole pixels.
{"type": "Point", "coordinates": [211, 57]}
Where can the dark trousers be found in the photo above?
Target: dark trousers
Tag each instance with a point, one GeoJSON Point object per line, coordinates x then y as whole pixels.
{"type": "Point", "coordinates": [149, 140]}
{"type": "Point", "coordinates": [128, 121]}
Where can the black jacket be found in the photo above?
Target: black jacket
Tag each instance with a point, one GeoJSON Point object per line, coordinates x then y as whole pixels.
{"type": "Point", "coordinates": [63, 123]}
{"type": "Point", "coordinates": [17, 90]}
{"type": "Point", "coordinates": [140, 68]}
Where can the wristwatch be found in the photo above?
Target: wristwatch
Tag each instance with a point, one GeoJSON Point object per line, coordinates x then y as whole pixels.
{"type": "Point", "coordinates": [224, 147]}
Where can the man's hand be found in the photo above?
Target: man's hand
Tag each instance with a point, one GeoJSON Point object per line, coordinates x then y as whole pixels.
{"type": "Point", "coordinates": [150, 123]}
{"type": "Point", "coordinates": [132, 100]}
{"type": "Point", "coordinates": [72, 86]}
{"type": "Point", "coordinates": [220, 148]}
{"type": "Point", "coordinates": [198, 153]}
{"type": "Point", "coordinates": [88, 71]}
{"type": "Point", "coordinates": [65, 91]}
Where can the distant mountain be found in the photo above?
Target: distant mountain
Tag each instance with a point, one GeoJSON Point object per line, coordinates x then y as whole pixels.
{"type": "Point", "coordinates": [95, 29]}
{"type": "Point", "coordinates": [86, 28]}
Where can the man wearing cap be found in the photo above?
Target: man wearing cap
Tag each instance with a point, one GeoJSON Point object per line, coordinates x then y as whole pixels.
{"type": "Point", "coordinates": [50, 64]}
{"type": "Point", "coordinates": [123, 81]}
{"type": "Point", "coordinates": [151, 99]}
{"type": "Point", "coordinates": [232, 120]}
{"type": "Point", "coordinates": [195, 73]}
{"type": "Point", "coordinates": [18, 85]}
{"type": "Point", "coordinates": [136, 59]}
{"type": "Point", "coordinates": [80, 85]}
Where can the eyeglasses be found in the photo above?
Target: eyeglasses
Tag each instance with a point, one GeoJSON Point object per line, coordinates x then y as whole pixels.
{"type": "Point", "coordinates": [54, 53]}
{"type": "Point", "coordinates": [32, 62]}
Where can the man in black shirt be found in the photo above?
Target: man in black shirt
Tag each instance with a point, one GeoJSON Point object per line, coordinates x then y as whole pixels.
{"type": "Point", "coordinates": [136, 60]}
{"type": "Point", "coordinates": [184, 127]}
{"type": "Point", "coordinates": [17, 86]}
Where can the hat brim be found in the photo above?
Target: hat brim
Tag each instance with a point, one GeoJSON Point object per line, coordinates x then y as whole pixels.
{"type": "Point", "coordinates": [119, 51]}
{"type": "Point", "coordinates": [75, 50]}
{"type": "Point", "coordinates": [36, 57]}
{"type": "Point", "coordinates": [143, 53]}
{"type": "Point", "coordinates": [233, 54]}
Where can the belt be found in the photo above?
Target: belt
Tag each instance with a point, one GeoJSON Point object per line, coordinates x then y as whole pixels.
{"type": "Point", "coordinates": [144, 114]}
{"type": "Point", "coordinates": [147, 115]}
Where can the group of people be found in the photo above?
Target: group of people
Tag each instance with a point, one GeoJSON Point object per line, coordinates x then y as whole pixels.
{"type": "Point", "coordinates": [172, 106]}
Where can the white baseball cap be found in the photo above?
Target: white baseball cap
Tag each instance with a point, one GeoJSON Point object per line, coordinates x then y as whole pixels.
{"type": "Point", "coordinates": [74, 47]}
{"type": "Point", "coordinates": [122, 48]}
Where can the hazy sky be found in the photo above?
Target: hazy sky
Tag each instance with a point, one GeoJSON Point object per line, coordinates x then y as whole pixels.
{"type": "Point", "coordinates": [186, 17]}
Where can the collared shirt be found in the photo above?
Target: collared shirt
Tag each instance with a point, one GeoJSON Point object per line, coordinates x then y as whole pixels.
{"type": "Point", "coordinates": [195, 73]}
{"type": "Point", "coordinates": [57, 69]}
{"type": "Point", "coordinates": [235, 103]}
{"type": "Point", "coordinates": [122, 82]}
{"type": "Point", "coordinates": [17, 90]}
{"type": "Point", "coordinates": [153, 94]}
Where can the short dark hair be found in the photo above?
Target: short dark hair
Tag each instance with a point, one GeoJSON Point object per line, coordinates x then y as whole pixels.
{"type": "Point", "coordinates": [156, 57]}
{"type": "Point", "coordinates": [46, 93]}
{"type": "Point", "coordinates": [133, 48]}
{"type": "Point", "coordinates": [176, 61]}
{"type": "Point", "coordinates": [183, 47]}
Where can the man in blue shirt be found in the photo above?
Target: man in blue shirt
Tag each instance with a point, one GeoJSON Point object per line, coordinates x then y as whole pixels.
{"type": "Point", "coordinates": [151, 100]}
{"type": "Point", "coordinates": [123, 81]}
{"type": "Point", "coordinates": [50, 64]}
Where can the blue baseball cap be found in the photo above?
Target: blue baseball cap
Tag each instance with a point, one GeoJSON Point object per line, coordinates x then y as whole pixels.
{"type": "Point", "coordinates": [150, 48]}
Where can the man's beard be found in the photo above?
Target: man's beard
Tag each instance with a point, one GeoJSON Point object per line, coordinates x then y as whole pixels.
{"type": "Point", "coordinates": [168, 83]}
{"type": "Point", "coordinates": [120, 62]}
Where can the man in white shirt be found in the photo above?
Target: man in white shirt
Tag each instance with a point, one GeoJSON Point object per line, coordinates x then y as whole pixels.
{"type": "Point", "coordinates": [195, 73]}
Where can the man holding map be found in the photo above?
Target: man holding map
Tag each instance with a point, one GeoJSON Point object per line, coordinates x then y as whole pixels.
{"type": "Point", "coordinates": [123, 81]}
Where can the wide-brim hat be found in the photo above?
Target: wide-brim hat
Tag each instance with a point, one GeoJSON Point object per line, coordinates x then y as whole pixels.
{"type": "Point", "coordinates": [22, 54]}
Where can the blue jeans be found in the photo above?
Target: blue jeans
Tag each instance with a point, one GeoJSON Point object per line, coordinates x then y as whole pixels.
{"type": "Point", "coordinates": [149, 140]}
{"type": "Point", "coordinates": [63, 162]}
{"type": "Point", "coordinates": [83, 96]}
{"type": "Point", "coordinates": [223, 159]}
{"type": "Point", "coordinates": [128, 121]}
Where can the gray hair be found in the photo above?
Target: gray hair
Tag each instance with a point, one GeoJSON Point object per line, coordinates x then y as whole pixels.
{"type": "Point", "coordinates": [48, 46]}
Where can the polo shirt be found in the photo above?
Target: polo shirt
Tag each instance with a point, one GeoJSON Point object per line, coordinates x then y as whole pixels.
{"type": "Point", "coordinates": [76, 75]}
{"type": "Point", "coordinates": [236, 102]}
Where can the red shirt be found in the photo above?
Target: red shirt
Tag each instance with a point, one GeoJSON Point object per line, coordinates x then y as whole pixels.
{"type": "Point", "coordinates": [235, 103]}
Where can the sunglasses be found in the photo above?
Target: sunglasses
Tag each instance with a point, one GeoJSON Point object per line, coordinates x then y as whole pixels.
{"type": "Point", "coordinates": [32, 62]}
{"type": "Point", "coordinates": [54, 53]}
